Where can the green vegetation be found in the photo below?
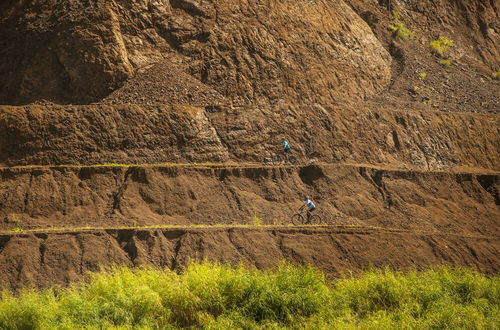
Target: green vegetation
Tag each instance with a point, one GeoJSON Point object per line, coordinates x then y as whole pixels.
{"type": "Point", "coordinates": [17, 229]}
{"type": "Point", "coordinates": [219, 297]}
{"type": "Point", "coordinates": [398, 27]}
{"type": "Point", "coordinates": [112, 165]}
{"type": "Point", "coordinates": [446, 62]}
{"type": "Point", "coordinates": [208, 164]}
{"type": "Point", "coordinates": [441, 45]}
{"type": "Point", "coordinates": [496, 75]}
{"type": "Point", "coordinates": [135, 225]}
{"type": "Point", "coordinates": [423, 76]}
{"type": "Point", "coordinates": [256, 221]}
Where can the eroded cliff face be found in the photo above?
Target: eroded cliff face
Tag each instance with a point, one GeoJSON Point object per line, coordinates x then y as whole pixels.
{"type": "Point", "coordinates": [249, 51]}
{"type": "Point", "coordinates": [138, 134]}
{"type": "Point", "coordinates": [403, 183]}
{"type": "Point", "coordinates": [44, 259]}
{"type": "Point", "coordinates": [103, 197]}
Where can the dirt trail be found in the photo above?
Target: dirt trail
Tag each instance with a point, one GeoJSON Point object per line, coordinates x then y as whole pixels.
{"type": "Point", "coordinates": [161, 195]}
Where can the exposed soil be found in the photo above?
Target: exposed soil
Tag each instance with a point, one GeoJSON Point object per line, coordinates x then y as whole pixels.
{"type": "Point", "coordinates": [163, 83]}
{"type": "Point", "coordinates": [60, 258]}
{"type": "Point", "coordinates": [250, 52]}
{"type": "Point", "coordinates": [136, 134]}
{"type": "Point", "coordinates": [385, 139]}
{"type": "Point", "coordinates": [208, 195]}
{"type": "Point", "coordinates": [455, 88]}
{"type": "Point", "coordinates": [293, 52]}
{"type": "Point", "coordinates": [418, 79]}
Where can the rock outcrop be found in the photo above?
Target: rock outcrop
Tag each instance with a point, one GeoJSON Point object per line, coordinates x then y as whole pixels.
{"type": "Point", "coordinates": [249, 51]}
{"type": "Point", "coordinates": [137, 134]}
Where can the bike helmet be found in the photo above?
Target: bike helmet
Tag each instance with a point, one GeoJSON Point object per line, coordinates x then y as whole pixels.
{"type": "Point", "coordinates": [306, 197]}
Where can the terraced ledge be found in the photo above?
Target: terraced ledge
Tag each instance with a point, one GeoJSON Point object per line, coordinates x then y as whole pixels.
{"type": "Point", "coordinates": [182, 134]}
{"type": "Point", "coordinates": [211, 194]}
{"type": "Point", "coordinates": [47, 258]}
{"type": "Point", "coordinates": [310, 229]}
{"type": "Point", "coordinates": [255, 165]}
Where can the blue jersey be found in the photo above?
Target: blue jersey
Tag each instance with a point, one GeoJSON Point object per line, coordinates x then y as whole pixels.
{"type": "Point", "coordinates": [310, 204]}
{"type": "Point", "coordinates": [286, 145]}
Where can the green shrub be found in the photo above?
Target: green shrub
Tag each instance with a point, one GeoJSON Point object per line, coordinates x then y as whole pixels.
{"type": "Point", "coordinates": [446, 62]}
{"type": "Point", "coordinates": [442, 298]}
{"type": "Point", "coordinates": [215, 296]}
{"type": "Point", "coordinates": [441, 45]}
{"type": "Point", "coordinates": [496, 75]}
{"type": "Point", "coordinates": [398, 27]}
{"type": "Point", "coordinates": [256, 221]}
{"type": "Point", "coordinates": [31, 310]}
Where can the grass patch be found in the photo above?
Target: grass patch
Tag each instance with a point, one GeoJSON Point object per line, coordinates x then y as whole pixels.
{"type": "Point", "coordinates": [208, 164]}
{"type": "Point", "coordinates": [215, 296]}
{"type": "Point", "coordinates": [446, 62]}
{"type": "Point", "coordinates": [398, 28]}
{"type": "Point", "coordinates": [422, 76]}
{"type": "Point", "coordinates": [256, 221]}
{"type": "Point", "coordinates": [496, 75]}
{"type": "Point", "coordinates": [154, 227]}
{"type": "Point", "coordinates": [112, 165]}
{"type": "Point", "coordinates": [441, 45]}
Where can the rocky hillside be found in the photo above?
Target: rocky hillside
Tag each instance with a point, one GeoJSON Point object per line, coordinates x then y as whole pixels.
{"type": "Point", "coordinates": [63, 257]}
{"type": "Point", "coordinates": [139, 134]}
{"type": "Point", "coordinates": [303, 51]}
{"type": "Point", "coordinates": [110, 196]}
{"type": "Point", "coordinates": [122, 120]}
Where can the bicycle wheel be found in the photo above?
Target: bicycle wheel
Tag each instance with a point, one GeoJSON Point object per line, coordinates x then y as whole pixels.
{"type": "Point", "coordinates": [316, 220]}
{"type": "Point", "coordinates": [298, 219]}
{"type": "Point", "coordinates": [277, 160]}
{"type": "Point", "coordinates": [292, 160]}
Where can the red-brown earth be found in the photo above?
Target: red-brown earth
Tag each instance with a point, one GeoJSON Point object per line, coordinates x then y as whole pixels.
{"type": "Point", "coordinates": [63, 257]}
{"type": "Point", "coordinates": [186, 102]}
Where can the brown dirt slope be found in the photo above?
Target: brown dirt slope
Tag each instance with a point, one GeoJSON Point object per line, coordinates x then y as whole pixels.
{"type": "Point", "coordinates": [208, 195]}
{"type": "Point", "coordinates": [385, 135]}
{"type": "Point", "coordinates": [258, 51]}
{"type": "Point", "coordinates": [473, 25]}
{"type": "Point", "coordinates": [100, 134]}
{"type": "Point", "coordinates": [69, 51]}
{"type": "Point", "coordinates": [163, 83]}
{"type": "Point", "coordinates": [418, 78]}
{"type": "Point", "coordinates": [58, 258]}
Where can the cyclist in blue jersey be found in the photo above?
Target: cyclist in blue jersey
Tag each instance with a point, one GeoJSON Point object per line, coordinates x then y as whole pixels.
{"type": "Point", "coordinates": [310, 207]}
{"type": "Point", "coordinates": [286, 147]}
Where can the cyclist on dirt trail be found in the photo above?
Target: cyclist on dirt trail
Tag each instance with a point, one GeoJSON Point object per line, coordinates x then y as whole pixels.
{"type": "Point", "coordinates": [310, 207]}
{"type": "Point", "coordinates": [286, 147]}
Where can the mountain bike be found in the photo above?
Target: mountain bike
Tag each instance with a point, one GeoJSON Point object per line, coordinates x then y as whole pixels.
{"type": "Point", "coordinates": [305, 219]}
{"type": "Point", "coordinates": [280, 158]}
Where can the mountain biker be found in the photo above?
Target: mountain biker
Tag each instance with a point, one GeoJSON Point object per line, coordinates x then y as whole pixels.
{"type": "Point", "coordinates": [286, 147]}
{"type": "Point", "coordinates": [310, 207]}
